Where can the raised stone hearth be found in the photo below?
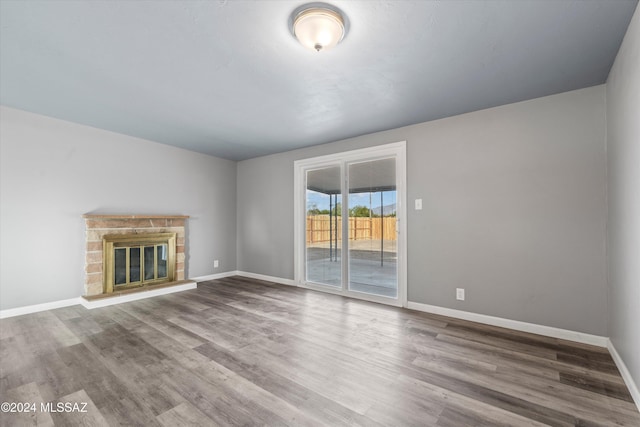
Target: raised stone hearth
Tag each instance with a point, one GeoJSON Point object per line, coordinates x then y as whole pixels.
{"type": "Point", "coordinates": [103, 230]}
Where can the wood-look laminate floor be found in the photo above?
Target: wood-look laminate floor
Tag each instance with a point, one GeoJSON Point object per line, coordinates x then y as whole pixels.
{"type": "Point", "coordinates": [238, 351]}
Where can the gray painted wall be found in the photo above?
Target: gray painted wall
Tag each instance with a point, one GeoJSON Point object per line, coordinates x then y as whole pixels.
{"type": "Point", "coordinates": [514, 201]}
{"type": "Point", "coordinates": [623, 194]}
{"type": "Point", "coordinates": [44, 190]}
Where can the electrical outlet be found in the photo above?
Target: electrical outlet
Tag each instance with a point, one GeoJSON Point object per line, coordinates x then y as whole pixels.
{"type": "Point", "coordinates": [460, 294]}
{"type": "Point", "coordinates": [216, 264]}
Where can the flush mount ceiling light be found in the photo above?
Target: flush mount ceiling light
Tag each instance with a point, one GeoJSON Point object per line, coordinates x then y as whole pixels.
{"type": "Point", "coordinates": [318, 26]}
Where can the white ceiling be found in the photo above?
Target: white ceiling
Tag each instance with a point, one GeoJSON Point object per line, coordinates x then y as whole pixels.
{"type": "Point", "coordinates": [227, 78]}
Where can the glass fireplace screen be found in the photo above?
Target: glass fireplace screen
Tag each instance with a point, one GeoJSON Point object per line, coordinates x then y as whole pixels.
{"type": "Point", "coordinates": [140, 264]}
{"type": "Point", "coordinates": [138, 260]}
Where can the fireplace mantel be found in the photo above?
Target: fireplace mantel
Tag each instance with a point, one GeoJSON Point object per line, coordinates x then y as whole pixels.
{"type": "Point", "coordinates": [101, 226]}
{"type": "Point", "coordinates": [94, 216]}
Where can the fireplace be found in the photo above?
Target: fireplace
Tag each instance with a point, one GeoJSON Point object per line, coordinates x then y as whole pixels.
{"type": "Point", "coordinates": [124, 252]}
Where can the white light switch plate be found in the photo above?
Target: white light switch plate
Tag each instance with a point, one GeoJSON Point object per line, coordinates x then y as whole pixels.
{"type": "Point", "coordinates": [418, 204]}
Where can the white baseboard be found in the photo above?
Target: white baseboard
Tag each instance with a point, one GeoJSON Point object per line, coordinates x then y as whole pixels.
{"type": "Point", "coordinates": [517, 325]}
{"type": "Point", "coordinates": [214, 276]}
{"type": "Point", "coordinates": [19, 311]}
{"type": "Point", "coordinates": [104, 302]}
{"type": "Point", "coordinates": [288, 282]}
{"type": "Point", "coordinates": [626, 375]}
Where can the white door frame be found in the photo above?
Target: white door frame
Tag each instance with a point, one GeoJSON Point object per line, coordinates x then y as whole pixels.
{"type": "Point", "coordinates": [396, 150]}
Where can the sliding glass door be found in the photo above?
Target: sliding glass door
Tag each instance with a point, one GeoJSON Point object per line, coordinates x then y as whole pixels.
{"type": "Point", "coordinates": [348, 212]}
{"type": "Point", "coordinates": [324, 226]}
{"type": "Point", "coordinates": [373, 236]}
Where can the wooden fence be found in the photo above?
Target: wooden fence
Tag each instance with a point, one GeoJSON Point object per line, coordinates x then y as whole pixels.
{"type": "Point", "coordinates": [319, 230]}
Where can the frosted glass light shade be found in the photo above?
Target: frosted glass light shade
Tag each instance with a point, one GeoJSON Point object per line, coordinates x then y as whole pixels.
{"type": "Point", "coordinates": [318, 28]}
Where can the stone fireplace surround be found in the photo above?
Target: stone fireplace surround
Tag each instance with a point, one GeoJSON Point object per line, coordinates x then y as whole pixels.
{"type": "Point", "coordinates": [98, 226]}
